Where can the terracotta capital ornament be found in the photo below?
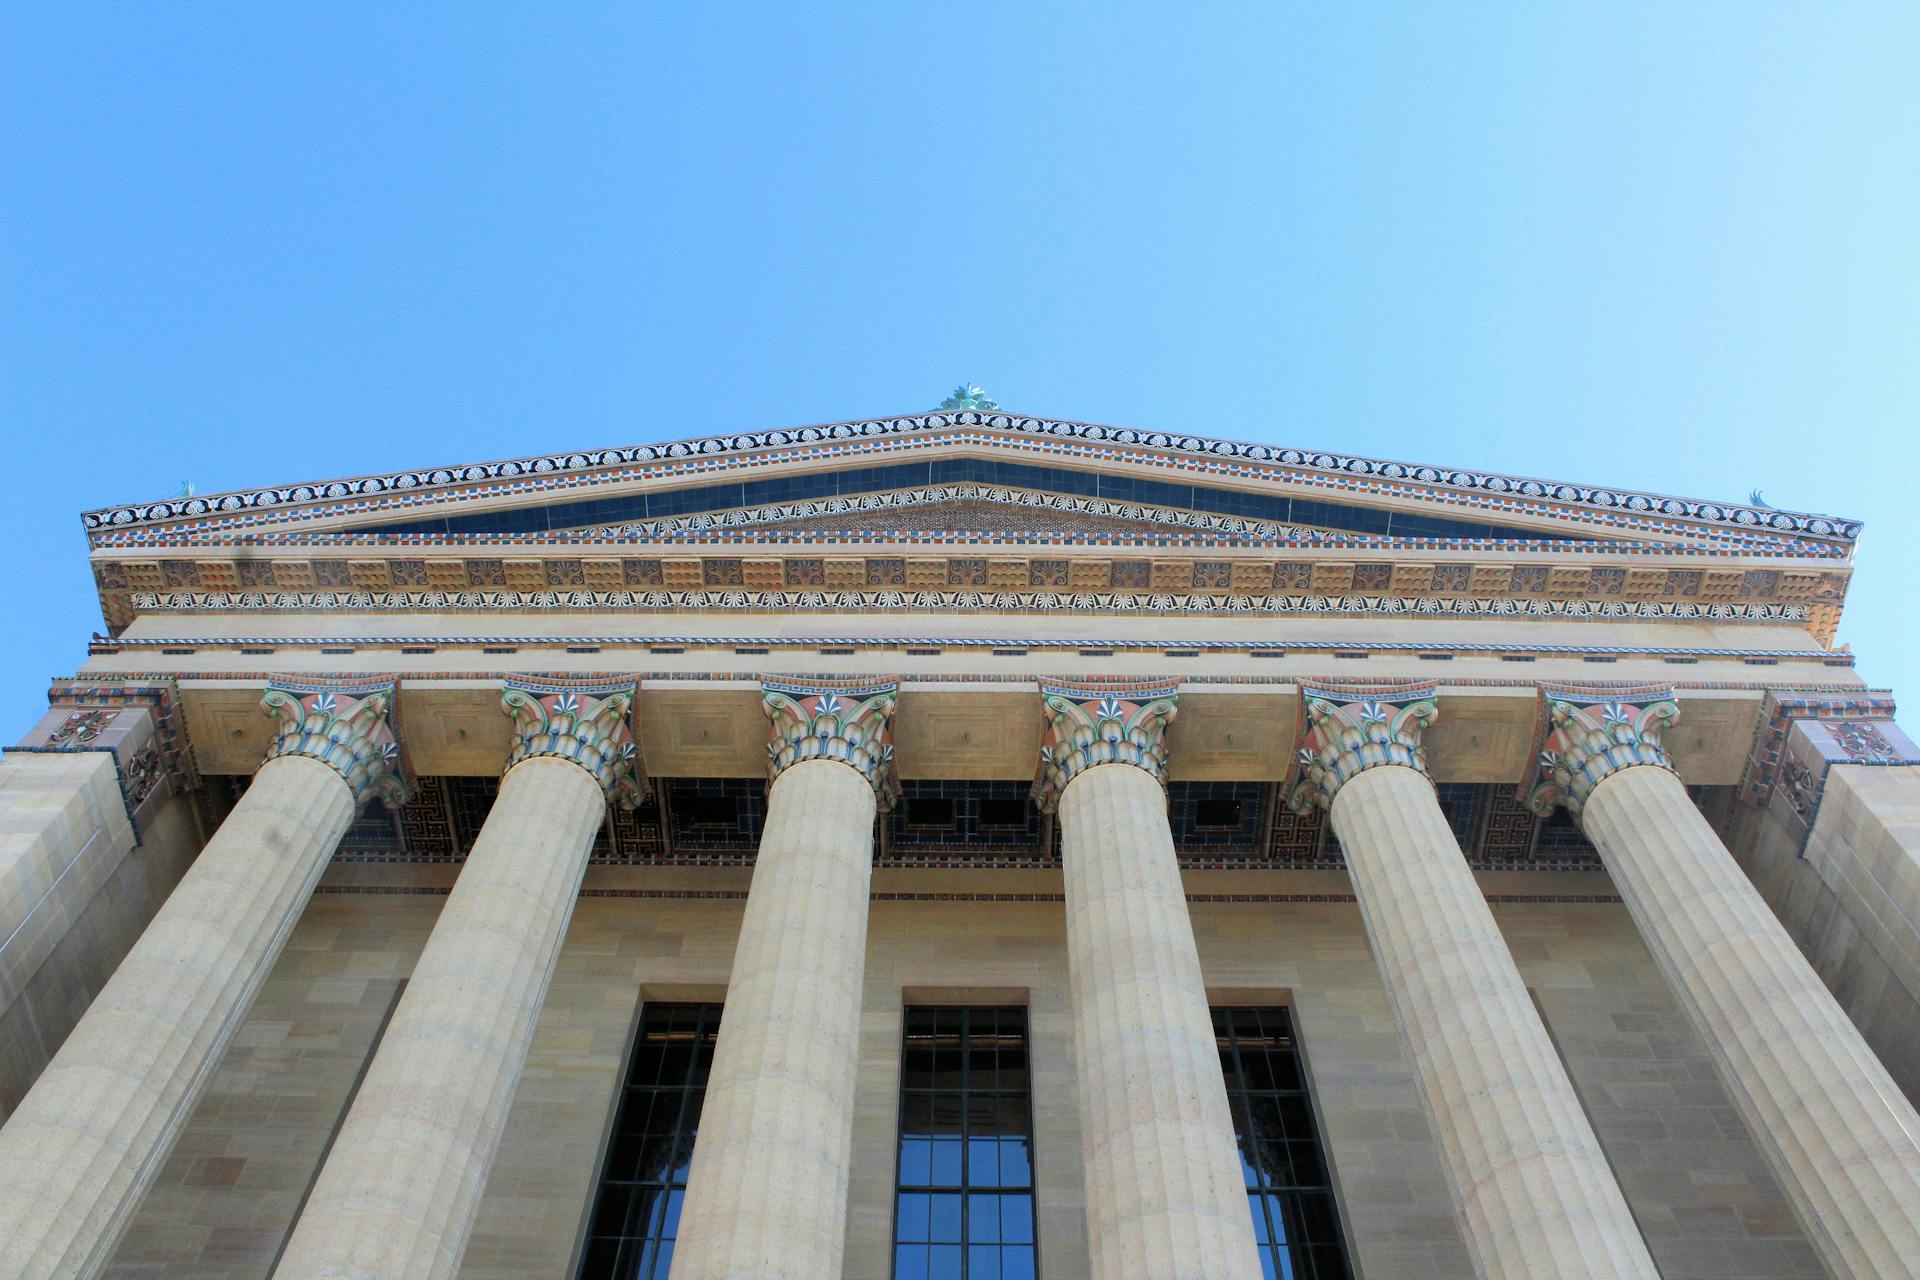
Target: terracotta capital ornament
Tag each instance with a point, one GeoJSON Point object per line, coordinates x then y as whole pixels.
{"type": "Point", "coordinates": [587, 724]}
{"type": "Point", "coordinates": [346, 727]}
{"type": "Point", "coordinates": [1347, 729]}
{"type": "Point", "coordinates": [1123, 722]}
{"type": "Point", "coordinates": [851, 723]}
{"type": "Point", "coordinates": [1591, 734]}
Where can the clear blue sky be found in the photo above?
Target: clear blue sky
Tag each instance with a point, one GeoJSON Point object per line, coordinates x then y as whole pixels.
{"type": "Point", "coordinates": [1674, 247]}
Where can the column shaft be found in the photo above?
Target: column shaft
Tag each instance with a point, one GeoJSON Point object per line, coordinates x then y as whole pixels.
{"type": "Point", "coordinates": [398, 1193]}
{"type": "Point", "coordinates": [88, 1138]}
{"type": "Point", "coordinates": [1843, 1140]}
{"type": "Point", "coordinates": [767, 1194]}
{"type": "Point", "coordinates": [1532, 1189]}
{"type": "Point", "coordinates": [1165, 1196]}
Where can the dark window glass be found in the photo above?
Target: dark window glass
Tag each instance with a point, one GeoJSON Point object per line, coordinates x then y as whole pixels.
{"type": "Point", "coordinates": [1003, 811]}
{"type": "Point", "coordinates": [636, 1215]}
{"type": "Point", "coordinates": [930, 811]}
{"type": "Point", "coordinates": [711, 811]}
{"type": "Point", "coordinates": [1289, 1192]}
{"type": "Point", "coordinates": [1216, 813]}
{"type": "Point", "coordinates": [964, 1205]}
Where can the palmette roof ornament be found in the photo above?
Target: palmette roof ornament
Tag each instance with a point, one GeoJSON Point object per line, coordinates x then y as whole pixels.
{"type": "Point", "coordinates": [348, 728]}
{"type": "Point", "coordinates": [1346, 730]}
{"type": "Point", "coordinates": [587, 724]}
{"type": "Point", "coordinates": [848, 722]}
{"type": "Point", "coordinates": [1590, 734]}
{"type": "Point", "coordinates": [1088, 725]}
{"type": "Point", "coordinates": [968, 396]}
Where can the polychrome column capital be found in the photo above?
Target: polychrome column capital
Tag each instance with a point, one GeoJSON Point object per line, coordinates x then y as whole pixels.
{"type": "Point", "coordinates": [1347, 729]}
{"type": "Point", "coordinates": [1112, 722]}
{"type": "Point", "coordinates": [827, 720]}
{"type": "Point", "coordinates": [1589, 734]}
{"type": "Point", "coordinates": [347, 727]}
{"type": "Point", "coordinates": [584, 722]}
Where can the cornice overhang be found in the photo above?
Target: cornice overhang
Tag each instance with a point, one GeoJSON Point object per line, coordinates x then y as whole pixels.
{"type": "Point", "coordinates": [1525, 501]}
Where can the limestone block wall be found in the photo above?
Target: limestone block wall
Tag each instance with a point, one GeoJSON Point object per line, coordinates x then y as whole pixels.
{"type": "Point", "coordinates": [107, 890]}
{"type": "Point", "coordinates": [1698, 1188]}
{"type": "Point", "coordinates": [1852, 903]}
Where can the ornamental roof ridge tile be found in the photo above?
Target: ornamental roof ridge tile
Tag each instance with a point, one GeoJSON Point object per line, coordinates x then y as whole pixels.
{"type": "Point", "coordinates": [1598, 498]}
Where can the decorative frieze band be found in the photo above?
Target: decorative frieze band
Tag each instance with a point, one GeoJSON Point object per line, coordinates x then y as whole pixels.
{"type": "Point", "coordinates": [1347, 729]}
{"type": "Point", "coordinates": [1590, 734]}
{"type": "Point", "coordinates": [588, 724]}
{"type": "Point", "coordinates": [348, 728]}
{"type": "Point", "coordinates": [826, 720]}
{"type": "Point", "coordinates": [998, 601]}
{"type": "Point", "coordinates": [1123, 722]}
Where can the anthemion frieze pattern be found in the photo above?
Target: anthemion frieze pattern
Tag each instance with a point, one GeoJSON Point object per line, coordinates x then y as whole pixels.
{"type": "Point", "coordinates": [892, 601]}
{"type": "Point", "coordinates": [1484, 489]}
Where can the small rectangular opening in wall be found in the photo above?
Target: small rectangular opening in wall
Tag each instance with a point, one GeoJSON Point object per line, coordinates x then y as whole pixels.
{"type": "Point", "coordinates": [1221, 814]}
{"type": "Point", "coordinates": [335, 653]}
{"type": "Point", "coordinates": [1096, 653]}
{"type": "Point", "coordinates": [1599, 657]}
{"type": "Point", "coordinates": [255, 652]}
{"type": "Point", "coordinates": [930, 811]}
{"type": "Point", "coordinates": [923, 653]}
{"type": "Point", "coordinates": [181, 653]}
{"type": "Point", "coordinates": [1351, 655]}
{"type": "Point", "coordinates": [1683, 662]}
{"type": "Point", "coordinates": [708, 811]}
{"type": "Point", "coordinates": [1763, 662]}
{"type": "Point", "coordinates": [666, 649]}
{"type": "Point", "coordinates": [1281, 653]}
{"type": "Point", "coordinates": [747, 653]}
{"type": "Point", "coordinates": [1009, 653]}
{"type": "Point", "coordinates": [583, 648]}
{"type": "Point", "coordinates": [1516, 657]}
{"type": "Point", "coordinates": [1436, 657]}
{"type": "Point", "coordinates": [498, 648]}
{"type": "Point", "coordinates": [1002, 811]}
{"type": "Point", "coordinates": [1182, 653]}
{"type": "Point", "coordinates": [836, 653]}
{"type": "Point", "coordinates": [416, 648]}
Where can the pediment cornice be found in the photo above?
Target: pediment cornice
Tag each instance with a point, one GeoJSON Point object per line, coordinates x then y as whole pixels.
{"type": "Point", "coordinates": [1600, 512]}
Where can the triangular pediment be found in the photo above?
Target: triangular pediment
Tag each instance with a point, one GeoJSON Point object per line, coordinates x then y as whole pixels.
{"type": "Point", "coordinates": [967, 473]}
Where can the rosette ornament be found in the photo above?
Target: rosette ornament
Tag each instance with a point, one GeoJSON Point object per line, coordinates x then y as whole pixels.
{"type": "Point", "coordinates": [1592, 734]}
{"type": "Point", "coordinates": [1090, 725]}
{"type": "Point", "coordinates": [851, 723]}
{"type": "Point", "coordinates": [345, 727]}
{"type": "Point", "coordinates": [588, 725]}
{"type": "Point", "coordinates": [1347, 730]}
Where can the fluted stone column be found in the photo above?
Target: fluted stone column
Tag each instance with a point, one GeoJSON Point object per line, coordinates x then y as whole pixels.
{"type": "Point", "coordinates": [1530, 1185]}
{"type": "Point", "coordinates": [1165, 1196]}
{"type": "Point", "coordinates": [767, 1193]}
{"type": "Point", "coordinates": [397, 1196]}
{"type": "Point", "coordinates": [88, 1138]}
{"type": "Point", "coordinates": [1839, 1134]}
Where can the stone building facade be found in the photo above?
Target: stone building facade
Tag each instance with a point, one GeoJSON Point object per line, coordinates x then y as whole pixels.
{"type": "Point", "coordinates": [963, 844]}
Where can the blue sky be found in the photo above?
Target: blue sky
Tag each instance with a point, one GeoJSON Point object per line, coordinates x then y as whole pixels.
{"type": "Point", "coordinates": [1666, 247]}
